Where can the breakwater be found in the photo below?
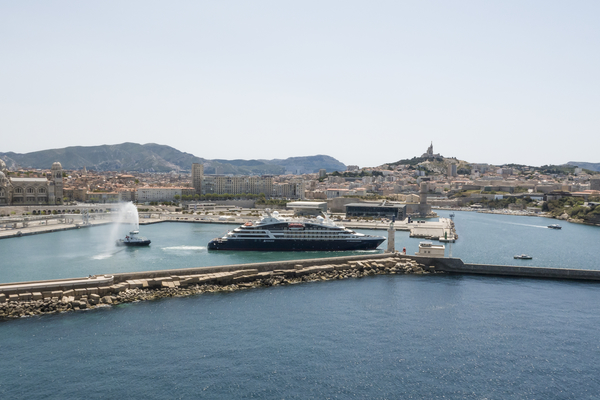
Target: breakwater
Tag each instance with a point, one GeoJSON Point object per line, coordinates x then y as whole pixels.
{"type": "Point", "coordinates": [46, 297]}
{"type": "Point", "coordinates": [43, 297]}
{"type": "Point", "coordinates": [457, 266]}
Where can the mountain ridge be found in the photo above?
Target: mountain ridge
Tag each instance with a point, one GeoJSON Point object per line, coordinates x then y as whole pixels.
{"type": "Point", "coordinates": [152, 157]}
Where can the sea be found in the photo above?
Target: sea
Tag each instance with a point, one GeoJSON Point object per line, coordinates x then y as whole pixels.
{"type": "Point", "coordinates": [379, 337]}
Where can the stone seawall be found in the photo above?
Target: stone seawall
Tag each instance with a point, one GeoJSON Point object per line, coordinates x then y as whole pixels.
{"type": "Point", "coordinates": [35, 298]}
{"type": "Point", "coordinates": [43, 297]}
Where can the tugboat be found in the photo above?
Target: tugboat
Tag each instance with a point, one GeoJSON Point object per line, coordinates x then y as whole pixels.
{"type": "Point", "coordinates": [133, 240]}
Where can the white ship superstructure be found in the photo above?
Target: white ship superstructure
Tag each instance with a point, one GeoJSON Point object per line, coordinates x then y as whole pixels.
{"type": "Point", "coordinates": [275, 233]}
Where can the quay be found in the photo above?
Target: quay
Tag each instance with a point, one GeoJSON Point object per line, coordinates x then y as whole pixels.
{"type": "Point", "coordinates": [443, 230]}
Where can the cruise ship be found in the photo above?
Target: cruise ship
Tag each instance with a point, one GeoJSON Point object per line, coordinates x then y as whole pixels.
{"type": "Point", "coordinates": [275, 233]}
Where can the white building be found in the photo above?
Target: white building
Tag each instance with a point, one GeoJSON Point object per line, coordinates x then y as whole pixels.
{"type": "Point", "coordinates": [149, 194]}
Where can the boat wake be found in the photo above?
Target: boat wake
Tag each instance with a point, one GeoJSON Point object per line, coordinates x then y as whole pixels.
{"type": "Point", "coordinates": [101, 256]}
{"type": "Point", "coordinates": [529, 225]}
{"type": "Point", "coordinates": [184, 248]}
{"type": "Point", "coordinates": [104, 256]}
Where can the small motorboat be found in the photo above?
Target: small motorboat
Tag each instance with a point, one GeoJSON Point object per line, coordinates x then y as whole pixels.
{"type": "Point", "coordinates": [554, 226]}
{"type": "Point", "coordinates": [523, 257]}
{"type": "Point", "coordinates": [133, 240]}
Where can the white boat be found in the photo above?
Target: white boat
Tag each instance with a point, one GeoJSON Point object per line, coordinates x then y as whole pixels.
{"type": "Point", "coordinates": [275, 233]}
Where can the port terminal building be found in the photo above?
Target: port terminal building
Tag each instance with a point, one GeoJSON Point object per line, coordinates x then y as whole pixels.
{"type": "Point", "coordinates": [376, 210]}
{"type": "Point", "coordinates": [308, 208]}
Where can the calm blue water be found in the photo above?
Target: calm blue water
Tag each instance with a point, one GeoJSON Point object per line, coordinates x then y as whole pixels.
{"type": "Point", "coordinates": [386, 337]}
{"type": "Point", "coordinates": [382, 337]}
{"type": "Point", "coordinates": [92, 251]}
{"type": "Point", "coordinates": [495, 239]}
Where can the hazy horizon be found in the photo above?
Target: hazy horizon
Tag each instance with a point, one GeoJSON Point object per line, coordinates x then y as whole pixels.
{"type": "Point", "coordinates": [366, 83]}
{"type": "Point", "coordinates": [310, 155]}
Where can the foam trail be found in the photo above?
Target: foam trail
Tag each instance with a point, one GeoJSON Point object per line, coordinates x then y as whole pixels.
{"type": "Point", "coordinates": [529, 225]}
{"type": "Point", "coordinates": [184, 248]}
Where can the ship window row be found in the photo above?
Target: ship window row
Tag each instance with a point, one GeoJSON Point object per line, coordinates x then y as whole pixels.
{"type": "Point", "coordinates": [315, 235]}
{"type": "Point", "coordinates": [304, 229]}
{"type": "Point", "coordinates": [242, 235]}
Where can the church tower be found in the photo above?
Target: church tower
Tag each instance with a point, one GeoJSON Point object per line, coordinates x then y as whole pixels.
{"type": "Point", "coordinates": [57, 182]}
{"type": "Point", "coordinates": [6, 190]}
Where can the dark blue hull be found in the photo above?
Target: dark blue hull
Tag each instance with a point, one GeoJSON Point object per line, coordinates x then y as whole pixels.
{"type": "Point", "coordinates": [137, 243]}
{"type": "Point", "coordinates": [294, 245]}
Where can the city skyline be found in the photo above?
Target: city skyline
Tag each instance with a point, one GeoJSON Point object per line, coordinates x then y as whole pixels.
{"type": "Point", "coordinates": [494, 82]}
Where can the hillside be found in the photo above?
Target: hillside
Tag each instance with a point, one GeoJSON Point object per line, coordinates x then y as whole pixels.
{"type": "Point", "coordinates": [586, 165]}
{"type": "Point", "coordinates": [153, 157]}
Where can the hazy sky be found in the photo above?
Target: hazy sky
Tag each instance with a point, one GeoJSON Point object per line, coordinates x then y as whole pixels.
{"type": "Point", "coordinates": [366, 82]}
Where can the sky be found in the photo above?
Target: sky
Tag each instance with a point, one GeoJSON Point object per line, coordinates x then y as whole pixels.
{"type": "Point", "coordinates": [366, 82]}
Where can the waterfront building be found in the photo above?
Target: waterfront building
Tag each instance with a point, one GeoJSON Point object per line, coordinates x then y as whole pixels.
{"type": "Point", "coordinates": [429, 249]}
{"type": "Point", "coordinates": [333, 193]}
{"type": "Point", "coordinates": [290, 190]}
{"type": "Point", "coordinates": [150, 194]}
{"type": "Point", "coordinates": [316, 194]}
{"type": "Point", "coordinates": [305, 208]}
{"type": "Point", "coordinates": [102, 197]}
{"type": "Point", "coordinates": [222, 184]}
{"type": "Point", "coordinates": [197, 176]}
{"type": "Point", "coordinates": [127, 195]}
{"type": "Point", "coordinates": [31, 191]}
{"type": "Point", "coordinates": [376, 210]}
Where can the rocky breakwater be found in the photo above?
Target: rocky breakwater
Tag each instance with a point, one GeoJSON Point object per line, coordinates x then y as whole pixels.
{"type": "Point", "coordinates": [187, 285]}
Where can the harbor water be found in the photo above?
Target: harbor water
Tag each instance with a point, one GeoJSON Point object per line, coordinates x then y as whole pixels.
{"type": "Point", "coordinates": [381, 337]}
{"type": "Point", "coordinates": [483, 238]}
{"type": "Point", "coordinates": [496, 239]}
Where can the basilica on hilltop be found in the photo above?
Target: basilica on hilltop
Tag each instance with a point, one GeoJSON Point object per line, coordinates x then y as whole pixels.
{"type": "Point", "coordinates": [17, 191]}
{"type": "Point", "coordinates": [429, 154]}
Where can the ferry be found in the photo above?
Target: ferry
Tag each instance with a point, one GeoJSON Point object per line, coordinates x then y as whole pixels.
{"type": "Point", "coordinates": [133, 240]}
{"type": "Point", "coordinates": [275, 233]}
